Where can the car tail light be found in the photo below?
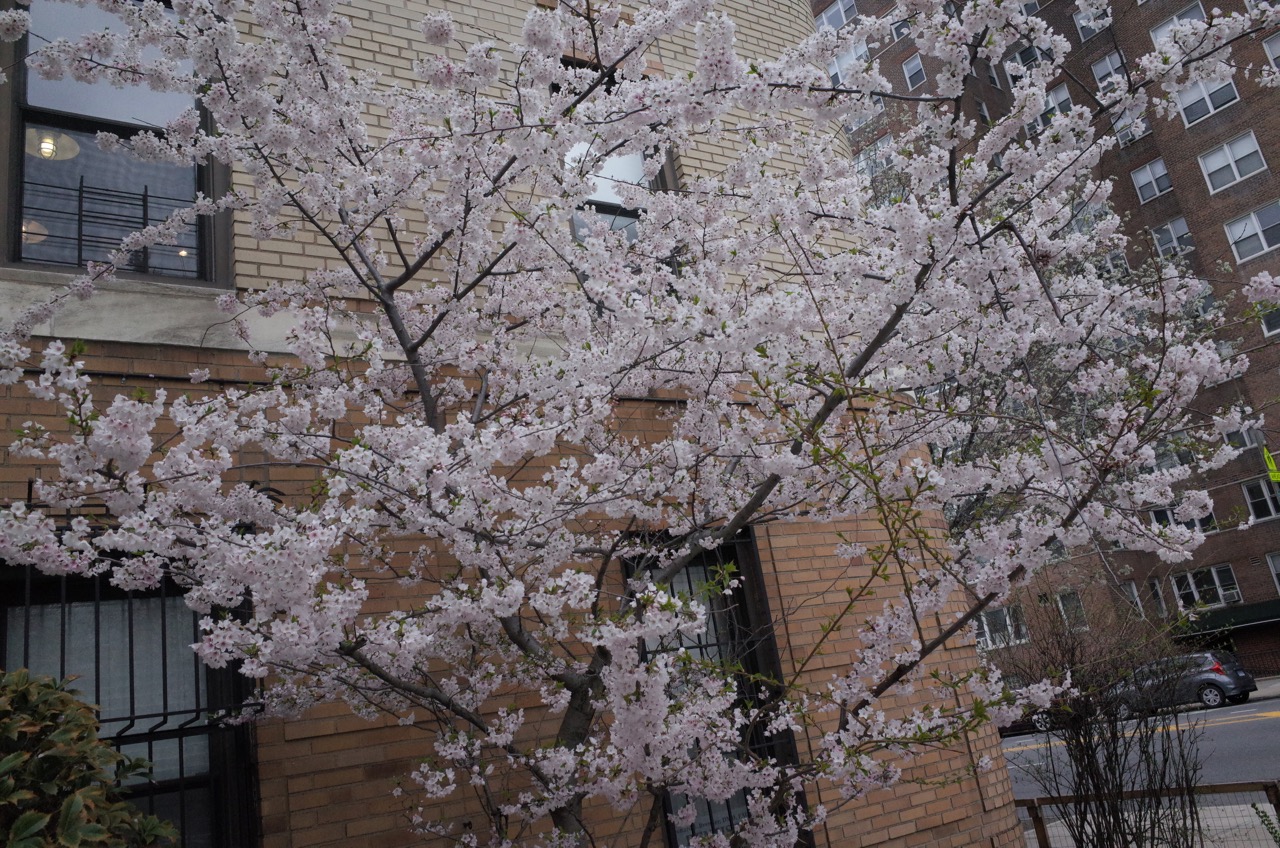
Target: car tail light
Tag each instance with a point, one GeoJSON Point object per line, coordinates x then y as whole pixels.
{"type": "Point", "coordinates": [1216, 668]}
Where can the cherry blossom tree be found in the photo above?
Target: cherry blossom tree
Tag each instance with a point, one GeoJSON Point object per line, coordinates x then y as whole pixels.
{"type": "Point", "coordinates": [463, 362]}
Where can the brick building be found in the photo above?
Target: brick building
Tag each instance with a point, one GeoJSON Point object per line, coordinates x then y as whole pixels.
{"type": "Point", "coordinates": [1198, 186]}
{"type": "Point", "coordinates": [328, 778]}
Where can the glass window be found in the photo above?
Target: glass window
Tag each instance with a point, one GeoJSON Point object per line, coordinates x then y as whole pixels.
{"type": "Point", "coordinates": [1209, 587]}
{"type": "Point", "coordinates": [839, 67]}
{"type": "Point", "coordinates": [1000, 627]}
{"type": "Point", "coordinates": [1130, 125]}
{"type": "Point", "coordinates": [901, 25]}
{"type": "Point", "coordinates": [992, 76]}
{"type": "Point", "coordinates": [1072, 610]}
{"type": "Point", "coordinates": [1231, 162]}
{"type": "Point", "coordinates": [1263, 498]}
{"type": "Point", "coordinates": [874, 158]}
{"type": "Point", "coordinates": [837, 14]}
{"type": "Point", "coordinates": [1085, 25]}
{"type": "Point", "coordinates": [1272, 46]}
{"type": "Point", "coordinates": [1129, 589]}
{"type": "Point", "coordinates": [1273, 560]}
{"type": "Point", "coordinates": [1173, 238]}
{"type": "Point", "coordinates": [1271, 322]}
{"type": "Point", "coordinates": [1156, 595]}
{"type": "Point", "coordinates": [1109, 66]}
{"type": "Point", "coordinates": [1255, 233]}
{"type": "Point", "coordinates": [1248, 438]}
{"type": "Point", "coordinates": [79, 201]}
{"type": "Point", "coordinates": [1151, 180]}
{"type": "Point", "coordinates": [1164, 517]}
{"type": "Point", "coordinates": [1031, 7]}
{"type": "Point", "coordinates": [913, 70]}
{"type": "Point", "coordinates": [1194, 12]}
{"type": "Point", "coordinates": [983, 115]}
{"type": "Point", "coordinates": [1198, 101]}
{"type": "Point", "coordinates": [1057, 100]}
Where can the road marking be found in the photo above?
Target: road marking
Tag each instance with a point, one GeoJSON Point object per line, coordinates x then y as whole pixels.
{"type": "Point", "coordinates": [1208, 723]}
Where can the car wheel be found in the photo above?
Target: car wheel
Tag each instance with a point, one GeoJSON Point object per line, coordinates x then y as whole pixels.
{"type": "Point", "coordinates": [1238, 699]}
{"type": "Point", "coordinates": [1041, 722]}
{"type": "Point", "coordinates": [1211, 696]}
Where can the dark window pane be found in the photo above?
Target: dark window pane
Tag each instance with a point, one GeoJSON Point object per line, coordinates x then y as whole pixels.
{"type": "Point", "coordinates": [78, 202]}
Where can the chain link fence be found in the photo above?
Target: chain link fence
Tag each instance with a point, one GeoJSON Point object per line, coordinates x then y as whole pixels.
{"type": "Point", "coordinates": [1226, 815]}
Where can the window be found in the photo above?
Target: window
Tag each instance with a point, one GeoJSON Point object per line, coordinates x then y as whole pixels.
{"type": "Point", "coordinates": [1156, 595]}
{"type": "Point", "coordinates": [1029, 57]}
{"type": "Point", "coordinates": [1173, 238]}
{"type": "Point", "coordinates": [1085, 25]}
{"type": "Point", "coordinates": [837, 14]}
{"type": "Point", "coordinates": [1164, 517]}
{"type": "Point", "coordinates": [1248, 438]}
{"type": "Point", "coordinates": [1108, 71]}
{"type": "Point", "coordinates": [1000, 627]}
{"type": "Point", "coordinates": [913, 70]}
{"type": "Point", "coordinates": [1263, 498]}
{"type": "Point", "coordinates": [737, 633]}
{"type": "Point", "coordinates": [1232, 162]}
{"type": "Point", "coordinates": [1256, 232]}
{"type": "Point", "coordinates": [1272, 46]}
{"type": "Point", "coordinates": [1072, 610]}
{"type": "Point", "coordinates": [1130, 125]}
{"type": "Point", "coordinates": [865, 117]}
{"type": "Point", "coordinates": [77, 200]}
{"type": "Point", "coordinates": [1129, 590]}
{"type": "Point", "coordinates": [901, 26]}
{"type": "Point", "coordinates": [1273, 560]}
{"type": "Point", "coordinates": [839, 67]}
{"type": "Point", "coordinates": [605, 205]}
{"type": "Point", "coordinates": [983, 114]}
{"type": "Point", "coordinates": [1160, 31]}
{"type": "Point", "coordinates": [992, 76]}
{"type": "Point", "coordinates": [132, 656]}
{"type": "Point", "coordinates": [1210, 587]}
{"type": "Point", "coordinates": [1271, 322]}
{"type": "Point", "coordinates": [1151, 180]}
{"type": "Point", "coordinates": [1200, 100]}
{"type": "Point", "coordinates": [1057, 100]}
{"type": "Point", "coordinates": [1031, 8]}
{"type": "Point", "coordinates": [874, 158]}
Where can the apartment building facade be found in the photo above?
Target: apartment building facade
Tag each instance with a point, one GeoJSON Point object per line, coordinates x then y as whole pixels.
{"type": "Point", "coordinates": [1199, 187]}
{"type": "Point", "coordinates": [330, 777]}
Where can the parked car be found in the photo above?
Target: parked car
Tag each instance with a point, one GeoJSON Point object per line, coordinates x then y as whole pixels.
{"type": "Point", "coordinates": [1214, 678]}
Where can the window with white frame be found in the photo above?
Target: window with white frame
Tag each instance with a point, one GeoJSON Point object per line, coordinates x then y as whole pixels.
{"type": "Point", "coordinates": [1200, 100]}
{"type": "Point", "coordinates": [79, 200]}
{"type": "Point", "coordinates": [901, 25]}
{"type": "Point", "coordinates": [1255, 233]}
{"type": "Point", "coordinates": [1108, 71]}
{"type": "Point", "coordinates": [992, 76]}
{"type": "Point", "coordinates": [1194, 12]}
{"type": "Point", "coordinates": [1057, 100]}
{"type": "Point", "coordinates": [837, 14]}
{"type": "Point", "coordinates": [839, 68]}
{"type": "Point", "coordinates": [1166, 517]}
{"type": "Point", "coordinates": [1263, 498]}
{"type": "Point", "coordinates": [1273, 560]}
{"type": "Point", "coordinates": [1209, 587]}
{"type": "Point", "coordinates": [1271, 322]}
{"type": "Point", "coordinates": [1272, 46]}
{"type": "Point", "coordinates": [1151, 180]}
{"type": "Point", "coordinates": [983, 114]}
{"type": "Point", "coordinates": [1130, 125]}
{"type": "Point", "coordinates": [1231, 162]}
{"type": "Point", "coordinates": [1072, 610]}
{"type": "Point", "coordinates": [1000, 627]}
{"type": "Point", "coordinates": [1242, 439]}
{"type": "Point", "coordinates": [861, 119]}
{"type": "Point", "coordinates": [874, 158]}
{"type": "Point", "coordinates": [1156, 595]}
{"type": "Point", "coordinates": [1030, 56]}
{"type": "Point", "coordinates": [913, 70]}
{"type": "Point", "coordinates": [1085, 25]}
{"type": "Point", "coordinates": [1173, 238]}
{"type": "Point", "coordinates": [1031, 7]}
{"type": "Point", "coordinates": [1129, 590]}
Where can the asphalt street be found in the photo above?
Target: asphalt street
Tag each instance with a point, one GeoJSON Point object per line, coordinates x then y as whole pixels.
{"type": "Point", "coordinates": [1238, 744]}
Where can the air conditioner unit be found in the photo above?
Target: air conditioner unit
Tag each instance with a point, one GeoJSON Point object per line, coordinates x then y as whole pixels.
{"type": "Point", "coordinates": [1231, 596]}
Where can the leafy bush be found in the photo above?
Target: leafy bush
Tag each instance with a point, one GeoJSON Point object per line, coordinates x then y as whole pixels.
{"type": "Point", "coordinates": [58, 780]}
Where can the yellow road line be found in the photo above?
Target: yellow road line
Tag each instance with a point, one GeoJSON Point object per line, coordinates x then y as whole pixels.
{"type": "Point", "coordinates": [1208, 723]}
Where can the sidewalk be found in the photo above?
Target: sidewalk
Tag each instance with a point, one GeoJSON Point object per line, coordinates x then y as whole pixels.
{"type": "Point", "coordinates": [1268, 688]}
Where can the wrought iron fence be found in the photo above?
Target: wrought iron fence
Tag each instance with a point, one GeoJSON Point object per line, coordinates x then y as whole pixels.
{"type": "Point", "coordinates": [1225, 811]}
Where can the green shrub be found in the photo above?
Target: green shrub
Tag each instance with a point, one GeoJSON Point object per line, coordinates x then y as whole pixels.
{"type": "Point", "coordinates": [58, 780]}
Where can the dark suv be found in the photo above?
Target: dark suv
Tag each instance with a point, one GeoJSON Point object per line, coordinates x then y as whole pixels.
{"type": "Point", "coordinates": [1213, 678]}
